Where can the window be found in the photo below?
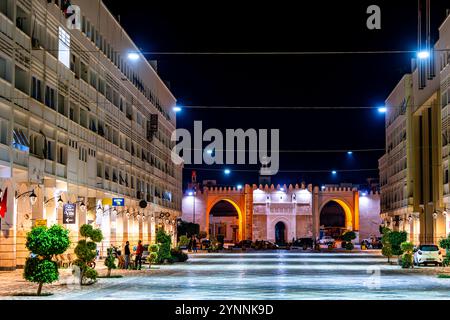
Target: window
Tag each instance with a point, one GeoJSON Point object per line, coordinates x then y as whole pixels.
{"type": "Point", "coordinates": [93, 124]}
{"type": "Point", "coordinates": [6, 7]}
{"type": "Point", "coordinates": [74, 113]}
{"type": "Point", "coordinates": [5, 69]}
{"type": "Point", "coordinates": [23, 20]}
{"type": "Point", "coordinates": [84, 71]}
{"type": "Point", "coordinates": [22, 80]}
{"type": "Point", "coordinates": [50, 97]}
{"type": "Point", "coordinates": [116, 99]}
{"type": "Point", "coordinates": [62, 105]}
{"type": "Point", "coordinates": [36, 89]}
{"type": "Point", "coordinates": [84, 117]}
{"type": "Point", "coordinates": [93, 79]}
{"type": "Point", "coordinates": [109, 93]}
{"type": "Point", "coordinates": [20, 140]}
{"type": "Point", "coordinates": [50, 150]}
{"type": "Point", "coordinates": [101, 85]}
{"type": "Point", "coordinates": [62, 155]}
{"type": "Point", "coordinates": [4, 132]}
{"type": "Point", "coordinates": [64, 50]}
{"type": "Point", "coordinates": [99, 170]}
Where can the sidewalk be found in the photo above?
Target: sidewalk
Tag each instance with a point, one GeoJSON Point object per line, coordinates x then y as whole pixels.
{"type": "Point", "coordinates": [13, 283]}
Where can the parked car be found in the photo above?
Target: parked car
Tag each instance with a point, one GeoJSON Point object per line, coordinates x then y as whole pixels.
{"type": "Point", "coordinates": [270, 245]}
{"type": "Point", "coordinates": [244, 244]}
{"type": "Point", "coordinates": [428, 254]}
{"type": "Point", "coordinates": [302, 243]}
{"type": "Point", "coordinates": [327, 240]}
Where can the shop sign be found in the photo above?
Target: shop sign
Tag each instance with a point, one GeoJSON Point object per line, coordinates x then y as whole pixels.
{"type": "Point", "coordinates": [118, 202]}
{"type": "Point", "coordinates": [40, 223]}
{"type": "Point", "coordinates": [69, 213]}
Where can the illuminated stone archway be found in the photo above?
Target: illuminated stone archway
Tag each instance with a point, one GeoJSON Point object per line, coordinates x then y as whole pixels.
{"type": "Point", "coordinates": [348, 214]}
{"type": "Point", "coordinates": [235, 206]}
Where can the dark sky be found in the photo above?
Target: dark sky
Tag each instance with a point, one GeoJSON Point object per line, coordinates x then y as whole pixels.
{"type": "Point", "coordinates": [283, 81]}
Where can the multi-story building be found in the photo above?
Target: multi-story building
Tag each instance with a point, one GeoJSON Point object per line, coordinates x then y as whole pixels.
{"type": "Point", "coordinates": [85, 126]}
{"type": "Point", "coordinates": [396, 168]}
{"type": "Point", "coordinates": [414, 171]}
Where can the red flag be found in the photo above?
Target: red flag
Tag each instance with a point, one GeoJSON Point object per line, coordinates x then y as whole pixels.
{"type": "Point", "coordinates": [3, 204]}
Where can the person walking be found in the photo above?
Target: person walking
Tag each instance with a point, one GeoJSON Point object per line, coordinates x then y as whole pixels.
{"type": "Point", "coordinates": [194, 244]}
{"type": "Point", "coordinates": [190, 245]}
{"type": "Point", "coordinates": [139, 251]}
{"type": "Point", "coordinates": [127, 255]}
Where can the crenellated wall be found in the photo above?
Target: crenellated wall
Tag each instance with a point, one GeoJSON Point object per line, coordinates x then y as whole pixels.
{"type": "Point", "coordinates": [261, 207]}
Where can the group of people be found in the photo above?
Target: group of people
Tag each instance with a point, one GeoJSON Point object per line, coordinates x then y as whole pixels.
{"type": "Point", "coordinates": [138, 251]}
{"type": "Point", "coordinates": [192, 246]}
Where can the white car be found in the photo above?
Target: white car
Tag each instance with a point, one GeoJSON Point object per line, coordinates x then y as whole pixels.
{"type": "Point", "coordinates": [428, 254]}
{"type": "Point", "coordinates": [326, 240]}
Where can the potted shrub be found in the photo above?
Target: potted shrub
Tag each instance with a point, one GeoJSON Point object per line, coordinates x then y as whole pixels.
{"type": "Point", "coordinates": [110, 261]}
{"type": "Point", "coordinates": [152, 255]}
{"type": "Point", "coordinates": [348, 237]}
{"type": "Point", "coordinates": [386, 250]}
{"type": "Point", "coordinates": [86, 251]}
{"type": "Point", "coordinates": [44, 243]}
{"type": "Point", "coordinates": [164, 243]}
{"type": "Point", "coordinates": [407, 257]}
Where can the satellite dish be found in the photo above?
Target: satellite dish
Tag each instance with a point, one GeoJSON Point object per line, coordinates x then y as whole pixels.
{"type": "Point", "coordinates": [143, 204]}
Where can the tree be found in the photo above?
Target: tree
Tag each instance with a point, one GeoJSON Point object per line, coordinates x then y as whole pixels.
{"type": "Point", "coordinates": [396, 238]}
{"type": "Point", "coordinates": [152, 255]}
{"type": "Point", "coordinates": [110, 261]}
{"type": "Point", "coordinates": [183, 242]}
{"type": "Point", "coordinates": [385, 241]}
{"type": "Point", "coordinates": [445, 244]}
{"type": "Point", "coordinates": [86, 251]}
{"type": "Point", "coordinates": [164, 241]}
{"type": "Point", "coordinates": [348, 237]}
{"type": "Point", "coordinates": [187, 228]}
{"type": "Point", "coordinates": [44, 243]}
{"type": "Point", "coordinates": [407, 257]}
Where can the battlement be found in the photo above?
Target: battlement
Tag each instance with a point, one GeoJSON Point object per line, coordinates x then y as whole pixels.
{"type": "Point", "coordinates": [337, 189]}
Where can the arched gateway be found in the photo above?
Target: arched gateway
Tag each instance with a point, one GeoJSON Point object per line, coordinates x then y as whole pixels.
{"type": "Point", "coordinates": [280, 213]}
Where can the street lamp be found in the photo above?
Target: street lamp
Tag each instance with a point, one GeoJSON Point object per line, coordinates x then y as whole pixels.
{"type": "Point", "coordinates": [176, 109]}
{"type": "Point", "coordinates": [239, 187]}
{"type": "Point", "coordinates": [334, 172]}
{"type": "Point", "coordinates": [349, 153]}
{"type": "Point", "coordinates": [32, 196]}
{"type": "Point", "coordinates": [423, 54]}
{"type": "Point", "coordinates": [133, 56]}
{"type": "Point", "coordinates": [382, 109]}
{"type": "Point", "coordinates": [227, 172]}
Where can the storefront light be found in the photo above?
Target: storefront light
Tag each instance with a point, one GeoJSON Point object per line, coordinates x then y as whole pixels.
{"type": "Point", "coordinates": [33, 198]}
{"type": "Point", "coordinates": [60, 201]}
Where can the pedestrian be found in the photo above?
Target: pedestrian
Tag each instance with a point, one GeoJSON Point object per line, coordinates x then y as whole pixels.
{"type": "Point", "coordinates": [190, 245]}
{"type": "Point", "coordinates": [194, 244]}
{"type": "Point", "coordinates": [127, 255]}
{"type": "Point", "coordinates": [139, 251]}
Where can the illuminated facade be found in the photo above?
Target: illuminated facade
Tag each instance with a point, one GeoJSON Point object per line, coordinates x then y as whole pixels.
{"type": "Point", "coordinates": [414, 171]}
{"type": "Point", "coordinates": [281, 213]}
{"type": "Point", "coordinates": [83, 121]}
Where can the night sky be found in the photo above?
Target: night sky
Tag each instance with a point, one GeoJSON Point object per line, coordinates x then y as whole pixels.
{"type": "Point", "coordinates": [352, 80]}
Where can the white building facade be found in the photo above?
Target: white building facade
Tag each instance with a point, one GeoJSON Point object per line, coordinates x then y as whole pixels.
{"type": "Point", "coordinates": [81, 126]}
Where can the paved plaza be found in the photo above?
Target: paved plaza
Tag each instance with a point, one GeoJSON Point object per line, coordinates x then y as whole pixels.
{"type": "Point", "coordinates": [254, 275]}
